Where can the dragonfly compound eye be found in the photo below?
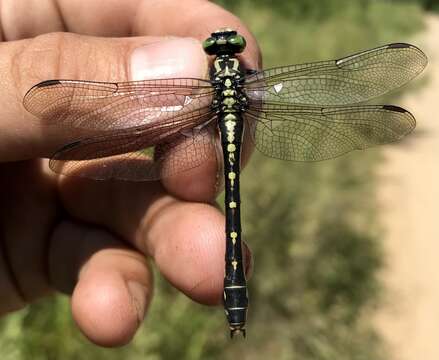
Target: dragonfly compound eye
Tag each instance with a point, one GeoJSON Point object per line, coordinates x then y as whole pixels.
{"type": "Point", "coordinates": [238, 42]}
{"type": "Point", "coordinates": [210, 46]}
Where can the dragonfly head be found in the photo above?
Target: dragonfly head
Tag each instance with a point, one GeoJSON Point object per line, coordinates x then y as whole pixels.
{"type": "Point", "coordinates": [224, 41]}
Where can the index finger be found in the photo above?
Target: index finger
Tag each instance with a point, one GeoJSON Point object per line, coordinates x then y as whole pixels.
{"type": "Point", "coordinates": [114, 18]}
{"type": "Point", "coordinates": [192, 18]}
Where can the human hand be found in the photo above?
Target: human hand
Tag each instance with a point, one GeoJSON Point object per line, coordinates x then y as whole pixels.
{"type": "Point", "coordinates": [92, 239]}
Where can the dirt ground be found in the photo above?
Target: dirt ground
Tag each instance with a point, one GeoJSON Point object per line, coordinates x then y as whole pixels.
{"type": "Point", "coordinates": [409, 200]}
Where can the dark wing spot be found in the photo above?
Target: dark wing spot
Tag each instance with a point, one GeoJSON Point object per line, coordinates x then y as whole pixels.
{"type": "Point", "coordinates": [399, 46]}
{"type": "Point", "coordinates": [48, 83]}
{"type": "Point", "coordinates": [394, 108]}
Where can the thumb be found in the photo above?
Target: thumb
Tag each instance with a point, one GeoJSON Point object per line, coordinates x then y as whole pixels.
{"type": "Point", "coordinates": [67, 56]}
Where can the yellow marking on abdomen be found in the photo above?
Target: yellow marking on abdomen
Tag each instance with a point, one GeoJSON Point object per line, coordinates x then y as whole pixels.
{"type": "Point", "coordinates": [232, 177]}
{"type": "Point", "coordinates": [232, 205]}
{"type": "Point", "coordinates": [231, 148]}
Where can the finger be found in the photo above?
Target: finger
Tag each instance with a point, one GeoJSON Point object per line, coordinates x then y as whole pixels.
{"type": "Point", "coordinates": [67, 56]}
{"type": "Point", "coordinates": [112, 283]}
{"type": "Point", "coordinates": [70, 56]}
{"type": "Point", "coordinates": [27, 213]}
{"type": "Point", "coordinates": [189, 18]}
{"type": "Point", "coordinates": [186, 240]}
{"type": "Point", "coordinates": [192, 18]}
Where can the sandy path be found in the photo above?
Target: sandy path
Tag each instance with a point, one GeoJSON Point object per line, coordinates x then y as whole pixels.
{"type": "Point", "coordinates": [409, 199]}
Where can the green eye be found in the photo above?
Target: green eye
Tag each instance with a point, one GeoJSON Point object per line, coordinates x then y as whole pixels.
{"type": "Point", "coordinates": [208, 43]}
{"type": "Point", "coordinates": [238, 41]}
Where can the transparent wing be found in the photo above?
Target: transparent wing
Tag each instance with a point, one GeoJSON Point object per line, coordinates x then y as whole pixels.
{"type": "Point", "coordinates": [127, 155]}
{"type": "Point", "coordinates": [308, 133]}
{"type": "Point", "coordinates": [349, 80]}
{"type": "Point", "coordinates": [104, 106]}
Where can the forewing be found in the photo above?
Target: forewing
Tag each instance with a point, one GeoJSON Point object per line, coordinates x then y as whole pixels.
{"type": "Point", "coordinates": [349, 80]}
{"type": "Point", "coordinates": [105, 106]}
{"type": "Point", "coordinates": [132, 156]}
{"type": "Point", "coordinates": [308, 133]}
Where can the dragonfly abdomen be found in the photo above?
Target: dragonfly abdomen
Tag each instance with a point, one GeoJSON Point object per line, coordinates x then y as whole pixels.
{"type": "Point", "coordinates": [235, 287]}
{"type": "Point", "coordinates": [230, 102]}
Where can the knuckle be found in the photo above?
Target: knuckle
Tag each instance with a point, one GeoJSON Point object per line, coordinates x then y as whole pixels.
{"type": "Point", "coordinates": [40, 58]}
{"type": "Point", "coordinates": [68, 56]}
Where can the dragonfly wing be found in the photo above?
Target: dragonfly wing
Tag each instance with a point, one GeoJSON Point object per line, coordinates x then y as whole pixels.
{"type": "Point", "coordinates": [349, 80]}
{"type": "Point", "coordinates": [105, 106]}
{"type": "Point", "coordinates": [309, 133]}
{"type": "Point", "coordinates": [131, 156]}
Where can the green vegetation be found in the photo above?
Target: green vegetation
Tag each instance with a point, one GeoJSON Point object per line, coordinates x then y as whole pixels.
{"type": "Point", "coordinates": [427, 4]}
{"type": "Point", "coordinates": [311, 227]}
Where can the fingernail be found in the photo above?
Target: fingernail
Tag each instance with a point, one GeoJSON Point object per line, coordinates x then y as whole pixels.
{"type": "Point", "coordinates": [247, 260]}
{"type": "Point", "coordinates": [139, 294]}
{"type": "Point", "coordinates": [177, 57]}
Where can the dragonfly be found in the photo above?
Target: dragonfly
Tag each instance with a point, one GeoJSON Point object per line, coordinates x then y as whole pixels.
{"type": "Point", "coordinates": [153, 129]}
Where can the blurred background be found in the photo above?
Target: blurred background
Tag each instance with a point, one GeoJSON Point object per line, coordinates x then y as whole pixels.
{"type": "Point", "coordinates": [344, 250]}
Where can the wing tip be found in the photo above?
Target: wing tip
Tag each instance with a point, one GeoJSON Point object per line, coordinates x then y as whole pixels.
{"type": "Point", "coordinates": [42, 84]}
{"type": "Point", "coordinates": [65, 148]}
{"type": "Point", "coordinates": [399, 45]}
{"type": "Point", "coordinates": [421, 54]}
{"type": "Point", "coordinates": [410, 118]}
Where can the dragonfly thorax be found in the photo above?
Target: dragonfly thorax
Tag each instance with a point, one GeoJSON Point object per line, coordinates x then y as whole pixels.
{"type": "Point", "coordinates": [228, 80]}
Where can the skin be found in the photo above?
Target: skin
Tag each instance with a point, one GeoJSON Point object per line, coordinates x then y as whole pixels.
{"type": "Point", "coordinates": [95, 240]}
